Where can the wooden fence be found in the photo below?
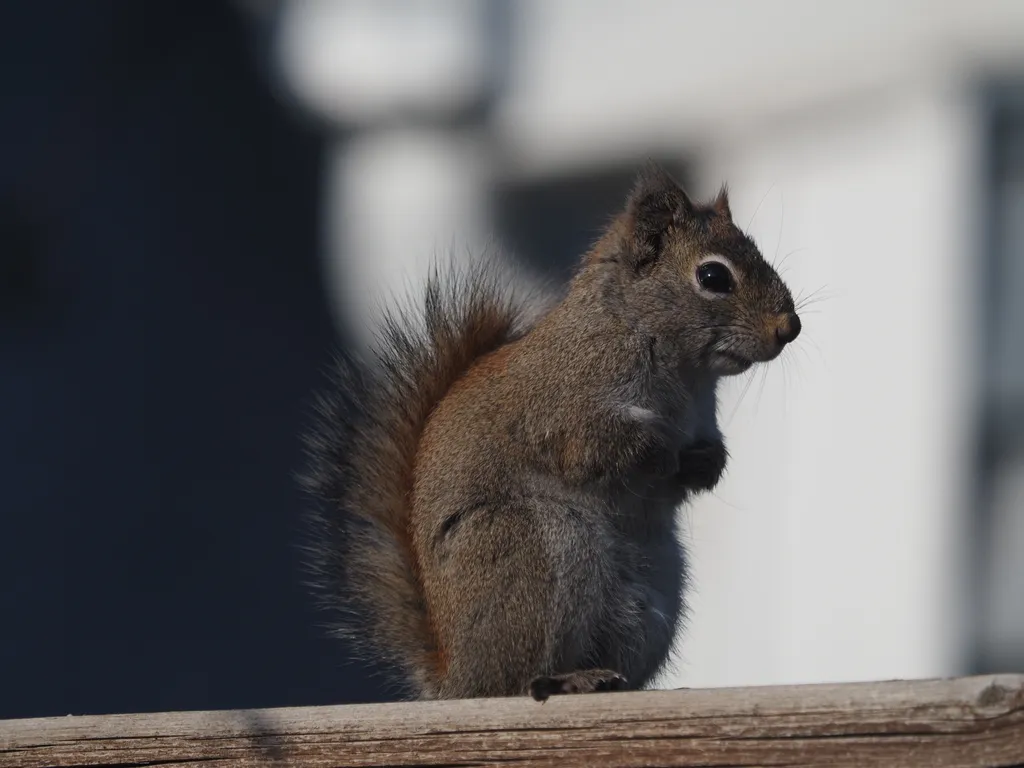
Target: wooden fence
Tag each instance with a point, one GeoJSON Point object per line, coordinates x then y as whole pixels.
{"type": "Point", "coordinates": [970, 722]}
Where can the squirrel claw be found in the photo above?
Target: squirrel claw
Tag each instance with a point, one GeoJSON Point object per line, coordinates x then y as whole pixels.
{"type": "Point", "coordinates": [581, 681]}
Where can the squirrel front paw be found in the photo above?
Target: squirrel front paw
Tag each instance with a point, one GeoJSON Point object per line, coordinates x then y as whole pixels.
{"type": "Point", "coordinates": [701, 464]}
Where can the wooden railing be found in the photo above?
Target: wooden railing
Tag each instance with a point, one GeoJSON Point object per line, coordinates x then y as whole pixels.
{"type": "Point", "coordinates": [969, 722]}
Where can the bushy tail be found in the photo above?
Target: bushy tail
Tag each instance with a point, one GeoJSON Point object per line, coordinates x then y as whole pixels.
{"type": "Point", "coordinates": [362, 452]}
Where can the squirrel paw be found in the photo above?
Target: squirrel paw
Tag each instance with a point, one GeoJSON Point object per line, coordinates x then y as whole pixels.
{"type": "Point", "coordinates": [701, 465]}
{"type": "Point", "coordinates": [581, 681]}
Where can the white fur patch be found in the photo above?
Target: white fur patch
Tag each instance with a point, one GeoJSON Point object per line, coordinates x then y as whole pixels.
{"type": "Point", "coordinates": [640, 414]}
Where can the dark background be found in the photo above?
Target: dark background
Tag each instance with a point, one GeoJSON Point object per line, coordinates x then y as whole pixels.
{"type": "Point", "coordinates": [162, 324]}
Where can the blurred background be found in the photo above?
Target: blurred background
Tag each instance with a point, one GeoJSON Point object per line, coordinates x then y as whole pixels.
{"type": "Point", "coordinates": [200, 200]}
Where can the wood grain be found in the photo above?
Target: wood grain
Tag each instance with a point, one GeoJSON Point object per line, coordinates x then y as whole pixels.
{"type": "Point", "coordinates": [969, 722]}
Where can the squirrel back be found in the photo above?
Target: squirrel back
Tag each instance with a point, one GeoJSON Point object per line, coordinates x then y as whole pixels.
{"type": "Point", "coordinates": [362, 454]}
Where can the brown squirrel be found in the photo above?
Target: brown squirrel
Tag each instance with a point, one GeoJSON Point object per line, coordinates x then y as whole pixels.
{"type": "Point", "coordinates": [498, 497]}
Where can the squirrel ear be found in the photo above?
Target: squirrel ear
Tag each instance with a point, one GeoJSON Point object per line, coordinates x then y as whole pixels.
{"type": "Point", "coordinates": [655, 203]}
{"type": "Point", "coordinates": [721, 204]}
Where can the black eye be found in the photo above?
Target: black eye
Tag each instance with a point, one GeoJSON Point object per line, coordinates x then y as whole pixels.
{"type": "Point", "coordinates": [714, 277]}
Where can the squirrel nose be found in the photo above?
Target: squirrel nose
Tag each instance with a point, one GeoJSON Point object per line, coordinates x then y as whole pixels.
{"type": "Point", "coordinates": [788, 328]}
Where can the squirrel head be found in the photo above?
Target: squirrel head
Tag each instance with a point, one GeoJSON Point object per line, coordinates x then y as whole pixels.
{"type": "Point", "coordinates": [690, 277]}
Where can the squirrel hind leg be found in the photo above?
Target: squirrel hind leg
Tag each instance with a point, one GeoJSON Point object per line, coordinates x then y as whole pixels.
{"type": "Point", "coordinates": [580, 681]}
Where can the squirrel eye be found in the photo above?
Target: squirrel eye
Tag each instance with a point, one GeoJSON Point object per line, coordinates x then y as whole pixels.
{"type": "Point", "coordinates": [714, 277]}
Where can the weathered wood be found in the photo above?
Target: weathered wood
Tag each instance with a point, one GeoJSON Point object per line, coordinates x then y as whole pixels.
{"type": "Point", "coordinates": [969, 722]}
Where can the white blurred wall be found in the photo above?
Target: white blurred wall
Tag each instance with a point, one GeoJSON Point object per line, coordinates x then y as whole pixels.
{"type": "Point", "coordinates": [832, 550]}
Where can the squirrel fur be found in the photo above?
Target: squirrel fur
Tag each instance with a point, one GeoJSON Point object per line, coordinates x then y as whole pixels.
{"type": "Point", "coordinates": [497, 495]}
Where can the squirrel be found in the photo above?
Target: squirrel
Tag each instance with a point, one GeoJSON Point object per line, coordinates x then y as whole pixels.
{"type": "Point", "coordinates": [497, 497]}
